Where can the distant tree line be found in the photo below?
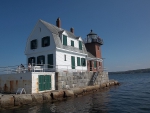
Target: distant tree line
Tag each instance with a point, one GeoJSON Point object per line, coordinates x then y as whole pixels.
{"type": "Point", "coordinates": [132, 71]}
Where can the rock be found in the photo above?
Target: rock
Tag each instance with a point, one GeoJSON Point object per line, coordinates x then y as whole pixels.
{"type": "Point", "coordinates": [23, 99]}
{"type": "Point", "coordinates": [57, 95]}
{"type": "Point", "coordinates": [84, 89]}
{"type": "Point", "coordinates": [37, 98]}
{"type": "Point", "coordinates": [92, 88]}
{"type": "Point", "coordinates": [116, 83]}
{"type": "Point", "coordinates": [0, 95]}
{"type": "Point", "coordinates": [77, 91]}
{"type": "Point", "coordinates": [97, 87]}
{"type": "Point", "coordinates": [103, 85]}
{"type": "Point", "coordinates": [6, 101]}
{"type": "Point", "coordinates": [107, 84]}
{"type": "Point", "coordinates": [69, 93]}
{"type": "Point", "coordinates": [89, 88]}
{"type": "Point", "coordinates": [111, 83]}
{"type": "Point", "coordinates": [47, 97]}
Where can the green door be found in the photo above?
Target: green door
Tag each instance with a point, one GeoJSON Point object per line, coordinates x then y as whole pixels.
{"type": "Point", "coordinates": [73, 62]}
{"type": "Point", "coordinates": [50, 61]}
{"type": "Point", "coordinates": [44, 82]}
{"type": "Point", "coordinates": [41, 83]}
{"type": "Point", "coordinates": [47, 82]}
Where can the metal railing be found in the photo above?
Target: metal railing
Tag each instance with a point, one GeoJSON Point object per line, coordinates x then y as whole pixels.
{"type": "Point", "coordinates": [12, 69]}
{"type": "Point", "coordinates": [98, 40]}
{"type": "Point", "coordinates": [45, 68]}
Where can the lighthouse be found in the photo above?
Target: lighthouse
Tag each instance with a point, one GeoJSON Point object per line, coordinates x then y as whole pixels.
{"type": "Point", "coordinates": [93, 45]}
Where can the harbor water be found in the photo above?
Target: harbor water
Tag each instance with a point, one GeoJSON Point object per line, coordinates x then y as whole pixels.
{"type": "Point", "coordinates": [132, 96]}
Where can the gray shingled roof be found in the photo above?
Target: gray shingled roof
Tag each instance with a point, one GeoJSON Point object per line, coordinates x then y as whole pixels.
{"type": "Point", "coordinates": [55, 32]}
{"type": "Point", "coordinates": [70, 34]}
{"type": "Point", "coordinates": [90, 55]}
{"type": "Point", "coordinates": [51, 27]}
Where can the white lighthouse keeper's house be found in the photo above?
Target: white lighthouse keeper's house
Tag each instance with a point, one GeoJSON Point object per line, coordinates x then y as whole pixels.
{"type": "Point", "coordinates": [55, 49]}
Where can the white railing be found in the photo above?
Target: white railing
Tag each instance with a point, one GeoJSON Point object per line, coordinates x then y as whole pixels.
{"type": "Point", "coordinates": [12, 69]}
{"type": "Point", "coordinates": [100, 69]}
{"type": "Point", "coordinates": [45, 68]}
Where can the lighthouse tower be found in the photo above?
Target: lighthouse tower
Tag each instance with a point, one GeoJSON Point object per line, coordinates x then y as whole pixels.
{"type": "Point", "coordinates": [93, 44]}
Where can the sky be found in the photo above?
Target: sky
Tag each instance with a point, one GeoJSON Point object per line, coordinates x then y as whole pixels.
{"type": "Point", "coordinates": [124, 26]}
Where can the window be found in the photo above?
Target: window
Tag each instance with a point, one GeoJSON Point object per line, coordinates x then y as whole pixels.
{"type": "Point", "coordinates": [41, 59]}
{"type": "Point", "coordinates": [33, 44]}
{"type": "Point", "coordinates": [95, 64]}
{"type": "Point", "coordinates": [64, 40]}
{"type": "Point", "coordinates": [45, 41]}
{"type": "Point", "coordinates": [72, 43]}
{"type": "Point", "coordinates": [50, 61]}
{"type": "Point", "coordinates": [73, 62]}
{"type": "Point", "coordinates": [65, 58]}
{"type": "Point", "coordinates": [78, 61]}
{"type": "Point", "coordinates": [83, 62]}
{"type": "Point", "coordinates": [80, 45]}
{"type": "Point", "coordinates": [31, 60]}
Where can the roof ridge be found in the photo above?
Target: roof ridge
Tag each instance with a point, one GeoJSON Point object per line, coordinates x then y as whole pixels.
{"type": "Point", "coordinates": [56, 29]}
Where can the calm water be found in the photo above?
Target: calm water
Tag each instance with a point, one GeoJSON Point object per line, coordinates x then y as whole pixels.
{"type": "Point", "coordinates": [132, 96]}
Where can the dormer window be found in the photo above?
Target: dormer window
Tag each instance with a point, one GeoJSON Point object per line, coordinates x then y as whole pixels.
{"type": "Point", "coordinates": [34, 44]}
{"type": "Point", "coordinates": [45, 41]}
{"type": "Point", "coordinates": [80, 45]}
{"type": "Point", "coordinates": [72, 43]}
{"type": "Point", "coordinates": [64, 40]}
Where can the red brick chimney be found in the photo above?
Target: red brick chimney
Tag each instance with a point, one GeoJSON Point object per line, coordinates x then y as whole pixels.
{"type": "Point", "coordinates": [58, 22]}
{"type": "Point", "coordinates": [72, 30]}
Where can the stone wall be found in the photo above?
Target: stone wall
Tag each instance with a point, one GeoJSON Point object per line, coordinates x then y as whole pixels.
{"type": "Point", "coordinates": [9, 101]}
{"type": "Point", "coordinates": [66, 80]}
{"type": "Point", "coordinates": [9, 83]}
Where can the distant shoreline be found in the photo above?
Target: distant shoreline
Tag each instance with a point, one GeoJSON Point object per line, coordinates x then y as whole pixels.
{"type": "Point", "coordinates": [131, 71]}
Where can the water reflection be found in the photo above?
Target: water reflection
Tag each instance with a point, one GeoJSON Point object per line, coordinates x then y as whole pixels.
{"type": "Point", "coordinates": [88, 103]}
